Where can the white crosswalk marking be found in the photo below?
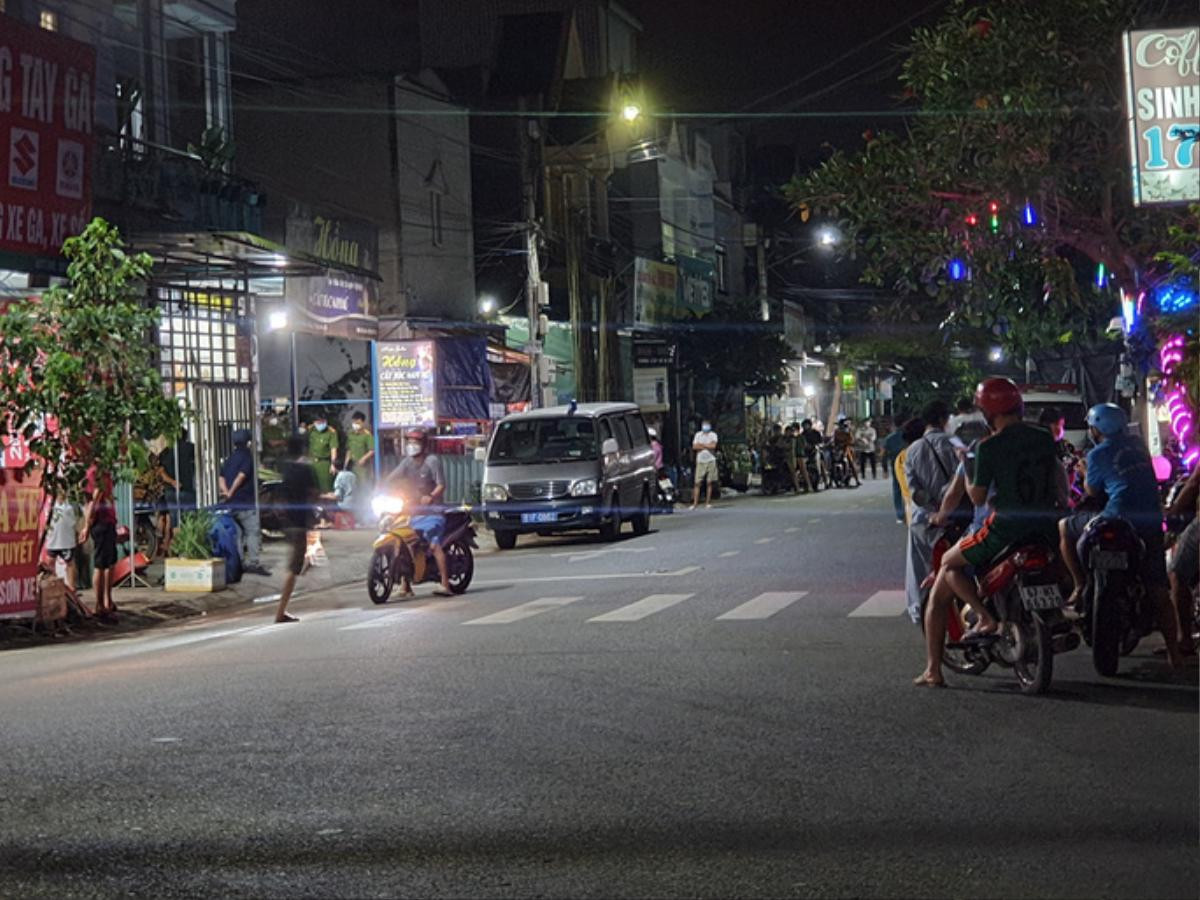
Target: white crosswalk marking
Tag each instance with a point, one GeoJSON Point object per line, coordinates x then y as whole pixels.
{"type": "Point", "coordinates": [384, 621]}
{"type": "Point", "coordinates": [523, 611]}
{"type": "Point", "coordinates": [764, 540]}
{"type": "Point", "coordinates": [729, 553]}
{"type": "Point", "coordinates": [881, 604]}
{"type": "Point", "coordinates": [647, 606]}
{"type": "Point", "coordinates": [763, 606]}
{"type": "Point", "coordinates": [791, 530]}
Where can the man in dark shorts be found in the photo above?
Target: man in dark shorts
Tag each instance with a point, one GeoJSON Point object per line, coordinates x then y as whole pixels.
{"type": "Point", "coordinates": [1120, 469]}
{"type": "Point", "coordinates": [299, 492]}
{"type": "Point", "coordinates": [1018, 463]}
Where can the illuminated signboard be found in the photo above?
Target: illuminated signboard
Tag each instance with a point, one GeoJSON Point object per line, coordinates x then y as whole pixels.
{"type": "Point", "coordinates": [406, 385]}
{"type": "Point", "coordinates": [1162, 88]}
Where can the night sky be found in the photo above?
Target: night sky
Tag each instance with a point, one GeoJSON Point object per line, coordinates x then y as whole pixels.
{"type": "Point", "coordinates": [714, 55]}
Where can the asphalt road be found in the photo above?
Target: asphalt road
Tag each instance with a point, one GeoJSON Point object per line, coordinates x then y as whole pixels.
{"type": "Point", "coordinates": [722, 707]}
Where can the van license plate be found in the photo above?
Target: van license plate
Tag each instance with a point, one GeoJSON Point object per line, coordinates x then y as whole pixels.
{"type": "Point", "coordinates": [1041, 596]}
{"type": "Point", "coordinates": [537, 518]}
{"type": "Point", "coordinates": [1110, 559]}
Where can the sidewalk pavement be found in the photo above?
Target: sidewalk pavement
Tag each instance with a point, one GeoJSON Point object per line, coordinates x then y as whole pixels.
{"type": "Point", "coordinates": [347, 555]}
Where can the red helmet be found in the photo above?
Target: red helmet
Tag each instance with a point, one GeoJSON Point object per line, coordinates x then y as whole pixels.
{"type": "Point", "coordinates": [998, 396]}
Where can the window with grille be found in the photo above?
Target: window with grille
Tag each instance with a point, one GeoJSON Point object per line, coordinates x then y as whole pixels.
{"type": "Point", "coordinates": [204, 336]}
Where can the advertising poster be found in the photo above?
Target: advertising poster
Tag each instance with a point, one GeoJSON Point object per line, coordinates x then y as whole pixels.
{"type": "Point", "coordinates": [655, 293]}
{"type": "Point", "coordinates": [406, 384]}
{"type": "Point", "coordinates": [47, 98]}
{"type": "Point", "coordinates": [20, 518]}
{"type": "Point", "coordinates": [1162, 83]}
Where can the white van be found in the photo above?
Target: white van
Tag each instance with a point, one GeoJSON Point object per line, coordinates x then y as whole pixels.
{"type": "Point", "coordinates": [1066, 398]}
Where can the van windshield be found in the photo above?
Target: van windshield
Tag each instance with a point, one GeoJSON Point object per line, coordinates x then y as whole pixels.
{"type": "Point", "coordinates": [1073, 412]}
{"type": "Point", "coordinates": [543, 441]}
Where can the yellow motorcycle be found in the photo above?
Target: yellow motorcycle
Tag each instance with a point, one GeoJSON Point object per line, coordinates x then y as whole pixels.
{"type": "Point", "coordinates": [400, 553]}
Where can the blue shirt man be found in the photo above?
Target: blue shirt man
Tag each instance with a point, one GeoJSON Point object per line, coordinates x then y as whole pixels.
{"type": "Point", "coordinates": [1120, 466]}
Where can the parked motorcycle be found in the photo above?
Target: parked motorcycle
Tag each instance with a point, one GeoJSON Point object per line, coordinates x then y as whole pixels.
{"type": "Point", "coordinates": [664, 495]}
{"type": "Point", "coordinates": [775, 476]}
{"type": "Point", "coordinates": [1021, 590]}
{"type": "Point", "coordinates": [1117, 612]}
{"type": "Point", "coordinates": [401, 553]}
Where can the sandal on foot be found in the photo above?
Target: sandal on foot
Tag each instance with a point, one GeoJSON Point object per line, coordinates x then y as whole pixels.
{"type": "Point", "coordinates": [443, 592]}
{"type": "Point", "coordinates": [285, 618]}
{"type": "Point", "coordinates": [924, 680]}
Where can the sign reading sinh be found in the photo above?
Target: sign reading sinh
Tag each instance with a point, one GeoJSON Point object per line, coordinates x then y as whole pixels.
{"type": "Point", "coordinates": [1162, 84]}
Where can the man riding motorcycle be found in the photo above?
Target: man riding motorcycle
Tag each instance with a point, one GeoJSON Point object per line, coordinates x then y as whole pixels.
{"type": "Point", "coordinates": [1017, 461]}
{"type": "Point", "coordinates": [418, 478]}
{"type": "Point", "coordinates": [1120, 468]}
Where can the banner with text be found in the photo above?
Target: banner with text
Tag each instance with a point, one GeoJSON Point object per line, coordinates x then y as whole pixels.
{"type": "Point", "coordinates": [338, 303]}
{"type": "Point", "coordinates": [46, 110]}
{"type": "Point", "coordinates": [655, 292]}
{"type": "Point", "coordinates": [1162, 85]}
{"type": "Point", "coordinates": [405, 384]}
{"type": "Point", "coordinates": [20, 519]}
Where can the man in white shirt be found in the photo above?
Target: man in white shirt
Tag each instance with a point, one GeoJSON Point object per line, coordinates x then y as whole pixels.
{"type": "Point", "coordinates": [966, 425]}
{"type": "Point", "coordinates": [704, 445]}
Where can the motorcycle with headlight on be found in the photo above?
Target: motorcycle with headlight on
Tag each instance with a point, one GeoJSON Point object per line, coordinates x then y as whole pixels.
{"type": "Point", "coordinates": [401, 553]}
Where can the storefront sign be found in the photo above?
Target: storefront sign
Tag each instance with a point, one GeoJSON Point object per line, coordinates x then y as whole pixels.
{"type": "Point", "coordinates": [652, 354]}
{"type": "Point", "coordinates": [336, 304]}
{"type": "Point", "coordinates": [1162, 84]}
{"type": "Point", "coordinates": [849, 381]}
{"type": "Point", "coordinates": [655, 294]}
{"type": "Point", "coordinates": [20, 520]}
{"type": "Point", "coordinates": [697, 278]}
{"type": "Point", "coordinates": [650, 390]}
{"type": "Point", "coordinates": [405, 384]}
{"type": "Point", "coordinates": [46, 105]}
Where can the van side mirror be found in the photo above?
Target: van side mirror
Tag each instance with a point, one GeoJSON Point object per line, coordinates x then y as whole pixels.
{"type": "Point", "coordinates": [610, 447]}
{"type": "Point", "coordinates": [481, 454]}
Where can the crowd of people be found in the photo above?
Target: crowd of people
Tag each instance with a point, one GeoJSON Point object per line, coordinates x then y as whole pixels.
{"type": "Point", "coordinates": [1005, 481]}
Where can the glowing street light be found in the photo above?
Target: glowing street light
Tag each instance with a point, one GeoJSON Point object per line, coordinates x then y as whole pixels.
{"type": "Point", "coordinates": [996, 354]}
{"type": "Point", "coordinates": [487, 304]}
{"type": "Point", "coordinates": [828, 237]}
{"type": "Point", "coordinates": [631, 112]}
{"type": "Point", "coordinates": [277, 320]}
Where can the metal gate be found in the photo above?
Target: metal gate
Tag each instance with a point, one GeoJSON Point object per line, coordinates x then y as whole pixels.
{"type": "Point", "coordinates": [219, 410]}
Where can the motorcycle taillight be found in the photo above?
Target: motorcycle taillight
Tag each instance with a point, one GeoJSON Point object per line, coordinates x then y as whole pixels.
{"type": "Point", "coordinates": [1031, 558]}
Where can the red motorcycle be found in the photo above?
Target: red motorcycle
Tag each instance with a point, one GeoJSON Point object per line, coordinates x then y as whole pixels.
{"type": "Point", "coordinates": [1021, 589]}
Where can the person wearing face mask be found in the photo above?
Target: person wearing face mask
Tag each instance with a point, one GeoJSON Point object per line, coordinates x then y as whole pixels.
{"type": "Point", "coordinates": [419, 480]}
{"type": "Point", "coordinates": [360, 451]}
{"type": "Point", "coordinates": [322, 448]}
{"type": "Point", "coordinates": [704, 445]}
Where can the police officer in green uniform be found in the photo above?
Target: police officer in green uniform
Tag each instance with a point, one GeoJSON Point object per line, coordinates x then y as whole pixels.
{"type": "Point", "coordinates": [322, 448]}
{"type": "Point", "coordinates": [275, 433]}
{"type": "Point", "coordinates": [360, 454]}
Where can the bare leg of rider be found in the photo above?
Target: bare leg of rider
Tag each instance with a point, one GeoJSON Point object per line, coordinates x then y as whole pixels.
{"type": "Point", "coordinates": [440, 555]}
{"type": "Point", "coordinates": [1066, 549]}
{"type": "Point", "coordinates": [1181, 600]}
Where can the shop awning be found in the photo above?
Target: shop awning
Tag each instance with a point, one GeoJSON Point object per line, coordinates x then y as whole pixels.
{"type": "Point", "coordinates": [234, 254]}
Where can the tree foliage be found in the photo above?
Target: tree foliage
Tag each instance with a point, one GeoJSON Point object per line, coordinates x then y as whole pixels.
{"type": "Point", "coordinates": [77, 373]}
{"type": "Point", "coordinates": [731, 350]}
{"type": "Point", "coordinates": [1015, 102]}
{"type": "Point", "coordinates": [925, 370]}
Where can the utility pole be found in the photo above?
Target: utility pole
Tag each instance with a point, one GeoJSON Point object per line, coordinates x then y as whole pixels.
{"type": "Point", "coordinates": [533, 276]}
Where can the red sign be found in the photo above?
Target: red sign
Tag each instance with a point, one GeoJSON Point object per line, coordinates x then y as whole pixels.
{"type": "Point", "coordinates": [47, 101]}
{"type": "Point", "coordinates": [20, 520]}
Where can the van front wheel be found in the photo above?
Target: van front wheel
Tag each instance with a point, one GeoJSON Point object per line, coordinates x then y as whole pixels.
{"type": "Point", "coordinates": [611, 529]}
{"type": "Point", "coordinates": [505, 540]}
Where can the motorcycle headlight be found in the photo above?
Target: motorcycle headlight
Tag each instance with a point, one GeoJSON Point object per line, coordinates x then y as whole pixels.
{"type": "Point", "coordinates": [387, 505]}
{"type": "Point", "coordinates": [584, 488]}
{"type": "Point", "coordinates": [495, 493]}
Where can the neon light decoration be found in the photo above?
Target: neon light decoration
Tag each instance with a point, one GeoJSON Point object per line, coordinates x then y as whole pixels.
{"type": "Point", "coordinates": [1173, 298]}
{"type": "Point", "coordinates": [957, 270]}
{"type": "Point", "coordinates": [1182, 419]}
{"type": "Point", "coordinates": [1101, 275]}
{"type": "Point", "coordinates": [1129, 311]}
{"type": "Point", "coordinates": [1028, 214]}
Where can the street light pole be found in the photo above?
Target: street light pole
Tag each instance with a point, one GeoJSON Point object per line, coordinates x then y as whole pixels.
{"type": "Point", "coordinates": [533, 275]}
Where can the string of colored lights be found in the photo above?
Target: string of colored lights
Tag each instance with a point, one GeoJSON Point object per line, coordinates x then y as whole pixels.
{"type": "Point", "coordinates": [1182, 420]}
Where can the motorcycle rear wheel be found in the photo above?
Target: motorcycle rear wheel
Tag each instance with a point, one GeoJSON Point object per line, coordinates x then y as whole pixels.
{"type": "Point", "coordinates": [379, 577]}
{"type": "Point", "coordinates": [461, 563]}
{"type": "Point", "coordinates": [1035, 668]}
{"type": "Point", "coordinates": [1106, 623]}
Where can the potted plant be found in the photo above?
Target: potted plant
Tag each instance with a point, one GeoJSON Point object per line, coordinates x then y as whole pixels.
{"type": "Point", "coordinates": [193, 568]}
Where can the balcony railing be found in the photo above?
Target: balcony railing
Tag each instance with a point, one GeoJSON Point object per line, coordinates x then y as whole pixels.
{"type": "Point", "coordinates": [151, 186]}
